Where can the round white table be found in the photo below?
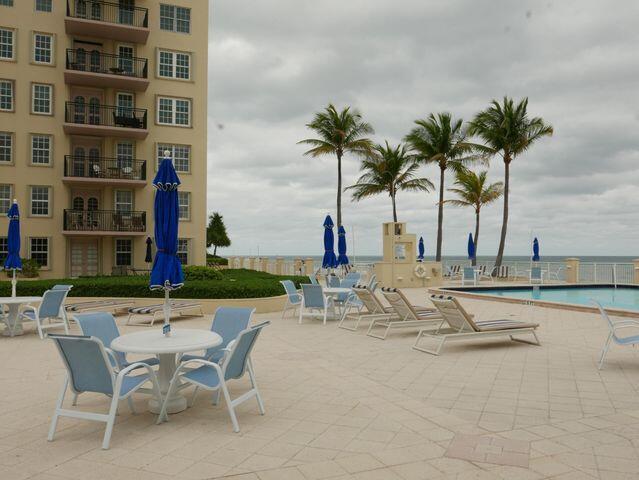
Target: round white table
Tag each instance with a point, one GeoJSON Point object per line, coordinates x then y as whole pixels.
{"type": "Point", "coordinates": [13, 317]}
{"type": "Point", "coordinates": [167, 348]}
{"type": "Point", "coordinates": [336, 290]}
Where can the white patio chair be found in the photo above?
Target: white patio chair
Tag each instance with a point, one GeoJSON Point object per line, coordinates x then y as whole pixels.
{"type": "Point", "coordinates": [614, 326]}
{"type": "Point", "coordinates": [89, 369]}
{"type": "Point", "coordinates": [51, 308]}
{"type": "Point", "coordinates": [314, 300]}
{"type": "Point", "coordinates": [469, 276]}
{"type": "Point", "coordinates": [536, 275]}
{"type": "Point", "coordinates": [293, 297]}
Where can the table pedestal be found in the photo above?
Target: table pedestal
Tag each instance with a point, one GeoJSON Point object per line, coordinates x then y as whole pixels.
{"type": "Point", "coordinates": [177, 402]}
{"type": "Point", "coordinates": [13, 319]}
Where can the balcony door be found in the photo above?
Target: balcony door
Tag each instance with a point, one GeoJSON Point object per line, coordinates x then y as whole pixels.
{"type": "Point", "coordinates": [125, 59]}
{"type": "Point", "coordinates": [84, 257]}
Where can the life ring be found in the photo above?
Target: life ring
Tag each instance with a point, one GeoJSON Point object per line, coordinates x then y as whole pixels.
{"type": "Point", "coordinates": [420, 271]}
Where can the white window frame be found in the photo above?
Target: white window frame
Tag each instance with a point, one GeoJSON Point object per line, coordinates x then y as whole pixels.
{"type": "Point", "coordinates": [12, 58]}
{"type": "Point", "coordinates": [174, 18]}
{"type": "Point", "coordinates": [186, 241]}
{"type": "Point", "coordinates": [35, 7]}
{"type": "Point", "coordinates": [181, 195]}
{"type": "Point", "coordinates": [9, 147]}
{"type": "Point", "coordinates": [173, 101]}
{"type": "Point", "coordinates": [33, 149]}
{"type": "Point", "coordinates": [33, 98]}
{"type": "Point", "coordinates": [12, 84]}
{"type": "Point", "coordinates": [34, 40]}
{"type": "Point", "coordinates": [8, 199]}
{"type": "Point", "coordinates": [116, 251]}
{"type": "Point", "coordinates": [173, 147]}
{"type": "Point", "coordinates": [4, 250]}
{"type": "Point", "coordinates": [117, 203]}
{"type": "Point", "coordinates": [30, 246]}
{"type": "Point", "coordinates": [48, 201]}
{"type": "Point", "coordinates": [173, 65]}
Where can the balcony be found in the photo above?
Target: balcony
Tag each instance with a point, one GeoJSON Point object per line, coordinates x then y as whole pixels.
{"type": "Point", "coordinates": [104, 171]}
{"type": "Point", "coordinates": [104, 120]}
{"type": "Point", "coordinates": [95, 18]}
{"type": "Point", "coordinates": [98, 69]}
{"type": "Point", "coordinates": [104, 222]}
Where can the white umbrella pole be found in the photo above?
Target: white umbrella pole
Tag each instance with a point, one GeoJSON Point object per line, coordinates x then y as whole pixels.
{"type": "Point", "coordinates": [13, 284]}
{"type": "Point", "coordinates": [167, 309]}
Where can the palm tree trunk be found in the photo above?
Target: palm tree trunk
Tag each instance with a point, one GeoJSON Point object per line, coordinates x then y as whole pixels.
{"type": "Point", "coordinates": [339, 188]}
{"type": "Point", "coordinates": [394, 208]}
{"type": "Point", "coordinates": [476, 236]}
{"type": "Point", "coordinates": [504, 223]}
{"type": "Point", "coordinates": [215, 251]}
{"type": "Point", "coordinates": [440, 215]}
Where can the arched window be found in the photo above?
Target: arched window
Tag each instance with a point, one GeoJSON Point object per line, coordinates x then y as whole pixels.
{"type": "Point", "coordinates": [92, 203]}
{"type": "Point", "coordinates": [78, 162]}
{"type": "Point", "coordinates": [81, 8]}
{"type": "Point", "coordinates": [80, 59]}
{"type": "Point", "coordinates": [79, 114]}
{"type": "Point", "coordinates": [94, 111]}
{"type": "Point", "coordinates": [78, 203]}
{"type": "Point", "coordinates": [95, 61]}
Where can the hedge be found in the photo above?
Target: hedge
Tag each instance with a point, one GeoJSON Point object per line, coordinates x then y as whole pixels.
{"type": "Point", "coordinates": [238, 283]}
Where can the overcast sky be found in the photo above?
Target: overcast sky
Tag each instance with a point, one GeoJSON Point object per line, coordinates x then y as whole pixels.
{"type": "Point", "coordinates": [272, 64]}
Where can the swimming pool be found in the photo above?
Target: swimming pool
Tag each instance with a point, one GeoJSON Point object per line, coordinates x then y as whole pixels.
{"type": "Point", "coordinates": [620, 298]}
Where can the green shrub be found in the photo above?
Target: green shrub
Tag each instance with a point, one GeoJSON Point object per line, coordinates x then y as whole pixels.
{"type": "Point", "coordinates": [237, 283]}
{"type": "Point", "coordinates": [195, 272]}
{"type": "Point", "coordinates": [30, 269]}
{"type": "Point", "coordinates": [215, 260]}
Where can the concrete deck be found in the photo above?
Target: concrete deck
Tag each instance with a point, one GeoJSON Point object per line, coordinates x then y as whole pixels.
{"type": "Point", "coordinates": [343, 405]}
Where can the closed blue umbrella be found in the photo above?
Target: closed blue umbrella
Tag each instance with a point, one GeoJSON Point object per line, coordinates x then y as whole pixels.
{"type": "Point", "coordinates": [420, 257]}
{"type": "Point", "coordinates": [329, 260]}
{"type": "Point", "coordinates": [342, 259]}
{"type": "Point", "coordinates": [471, 247]}
{"type": "Point", "coordinates": [167, 271]}
{"type": "Point", "coordinates": [536, 257]}
{"type": "Point", "coordinates": [13, 262]}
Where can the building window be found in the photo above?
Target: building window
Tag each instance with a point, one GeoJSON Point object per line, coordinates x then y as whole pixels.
{"type": "Point", "coordinates": [183, 250]}
{"type": "Point", "coordinates": [6, 95]}
{"type": "Point", "coordinates": [123, 252]}
{"type": "Point", "coordinates": [123, 201]}
{"type": "Point", "coordinates": [43, 48]}
{"type": "Point", "coordinates": [39, 250]}
{"type": "Point", "coordinates": [6, 3]}
{"type": "Point", "coordinates": [126, 104]}
{"type": "Point", "coordinates": [174, 65]}
{"type": "Point", "coordinates": [181, 155]}
{"type": "Point", "coordinates": [41, 100]}
{"type": "Point", "coordinates": [7, 39]}
{"type": "Point", "coordinates": [125, 152]}
{"type": "Point", "coordinates": [40, 201]}
{"type": "Point", "coordinates": [175, 19]}
{"type": "Point", "coordinates": [6, 147]}
{"type": "Point", "coordinates": [41, 149]}
{"type": "Point", "coordinates": [43, 5]}
{"type": "Point", "coordinates": [5, 198]}
{"type": "Point", "coordinates": [174, 111]}
{"type": "Point", "coordinates": [184, 202]}
{"type": "Point", "coordinates": [4, 246]}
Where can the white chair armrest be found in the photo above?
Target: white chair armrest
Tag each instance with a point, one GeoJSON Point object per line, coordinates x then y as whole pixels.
{"type": "Point", "coordinates": [135, 365]}
{"type": "Point", "coordinates": [111, 354]}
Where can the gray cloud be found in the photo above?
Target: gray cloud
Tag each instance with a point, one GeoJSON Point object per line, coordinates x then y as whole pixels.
{"type": "Point", "coordinates": [273, 64]}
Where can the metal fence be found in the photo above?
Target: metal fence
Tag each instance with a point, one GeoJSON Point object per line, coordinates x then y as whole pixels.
{"type": "Point", "coordinates": [104, 115]}
{"type": "Point", "coordinates": [97, 62]}
{"type": "Point", "coordinates": [81, 166]}
{"type": "Point", "coordinates": [123, 13]}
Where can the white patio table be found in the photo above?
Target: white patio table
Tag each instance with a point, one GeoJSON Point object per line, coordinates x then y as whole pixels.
{"type": "Point", "coordinates": [13, 317]}
{"type": "Point", "coordinates": [334, 292]}
{"type": "Point", "coordinates": [167, 348]}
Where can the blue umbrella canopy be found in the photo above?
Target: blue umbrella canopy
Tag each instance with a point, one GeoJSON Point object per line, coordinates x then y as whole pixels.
{"type": "Point", "coordinates": [535, 257]}
{"type": "Point", "coordinates": [13, 262]}
{"type": "Point", "coordinates": [329, 260]}
{"type": "Point", "coordinates": [167, 270]}
{"type": "Point", "coordinates": [342, 259]}
{"type": "Point", "coordinates": [420, 257]}
{"type": "Point", "coordinates": [471, 247]}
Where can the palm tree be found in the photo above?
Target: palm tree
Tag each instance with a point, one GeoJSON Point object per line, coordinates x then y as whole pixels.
{"type": "Point", "coordinates": [441, 140]}
{"type": "Point", "coordinates": [473, 191]}
{"type": "Point", "coordinates": [507, 130]}
{"type": "Point", "coordinates": [339, 133]}
{"type": "Point", "coordinates": [389, 170]}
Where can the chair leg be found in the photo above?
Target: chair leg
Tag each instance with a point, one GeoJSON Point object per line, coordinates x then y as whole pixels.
{"type": "Point", "coordinates": [131, 405]}
{"type": "Point", "coordinates": [65, 321]}
{"type": "Point", "coordinates": [301, 310]}
{"type": "Point", "coordinates": [260, 402]}
{"type": "Point", "coordinates": [39, 326]}
{"type": "Point", "coordinates": [163, 415]}
{"type": "Point", "coordinates": [75, 399]}
{"type": "Point", "coordinates": [111, 420]}
{"type": "Point", "coordinates": [325, 313]}
{"type": "Point", "coordinates": [191, 402]}
{"type": "Point", "coordinates": [58, 406]}
{"type": "Point", "coordinates": [216, 397]}
{"type": "Point", "coordinates": [229, 405]}
{"type": "Point", "coordinates": [604, 351]}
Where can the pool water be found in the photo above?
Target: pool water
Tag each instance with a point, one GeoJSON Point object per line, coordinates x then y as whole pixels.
{"type": "Point", "coordinates": [621, 297]}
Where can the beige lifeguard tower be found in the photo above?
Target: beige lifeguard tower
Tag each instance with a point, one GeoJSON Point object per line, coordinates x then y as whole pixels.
{"type": "Point", "coordinates": [399, 267]}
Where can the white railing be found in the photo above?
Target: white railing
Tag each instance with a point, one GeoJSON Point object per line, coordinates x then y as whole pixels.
{"type": "Point", "coordinates": [553, 271]}
{"type": "Point", "coordinates": [612, 273]}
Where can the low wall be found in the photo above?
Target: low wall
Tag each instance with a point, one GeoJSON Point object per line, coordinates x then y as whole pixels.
{"type": "Point", "coordinates": [209, 305]}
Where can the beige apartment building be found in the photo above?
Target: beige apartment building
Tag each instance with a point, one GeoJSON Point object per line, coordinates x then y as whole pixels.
{"type": "Point", "coordinates": [91, 94]}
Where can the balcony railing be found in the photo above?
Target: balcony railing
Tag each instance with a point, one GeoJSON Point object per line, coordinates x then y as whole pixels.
{"type": "Point", "coordinates": [80, 166]}
{"type": "Point", "coordinates": [97, 62]}
{"type": "Point", "coordinates": [104, 115]}
{"type": "Point", "coordinates": [108, 12]}
{"type": "Point", "coordinates": [104, 221]}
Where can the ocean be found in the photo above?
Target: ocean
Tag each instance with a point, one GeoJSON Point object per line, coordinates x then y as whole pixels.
{"type": "Point", "coordinates": [485, 259]}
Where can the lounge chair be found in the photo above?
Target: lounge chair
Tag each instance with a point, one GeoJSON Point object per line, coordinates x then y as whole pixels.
{"type": "Point", "coordinates": [463, 326]}
{"type": "Point", "coordinates": [373, 283]}
{"type": "Point", "coordinates": [484, 273]}
{"type": "Point", "coordinates": [313, 299]}
{"type": "Point", "coordinates": [214, 377]}
{"type": "Point", "coordinates": [374, 309]}
{"type": "Point", "coordinates": [293, 297]}
{"type": "Point", "coordinates": [120, 305]}
{"type": "Point", "coordinates": [153, 311]}
{"type": "Point", "coordinates": [228, 323]}
{"type": "Point", "coordinates": [614, 326]}
{"type": "Point", "coordinates": [501, 272]}
{"type": "Point", "coordinates": [406, 315]}
{"type": "Point", "coordinates": [536, 275]}
{"type": "Point", "coordinates": [89, 370]}
{"type": "Point", "coordinates": [51, 308]}
{"type": "Point", "coordinates": [453, 271]}
{"type": "Point", "coordinates": [469, 275]}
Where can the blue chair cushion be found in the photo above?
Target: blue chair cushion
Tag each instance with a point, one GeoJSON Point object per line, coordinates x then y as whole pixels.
{"type": "Point", "coordinates": [130, 382]}
{"type": "Point", "coordinates": [216, 357]}
{"type": "Point", "coordinates": [295, 298]}
{"type": "Point", "coordinates": [628, 340]}
{"type": "Point", "coordinates": [204, 375]}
